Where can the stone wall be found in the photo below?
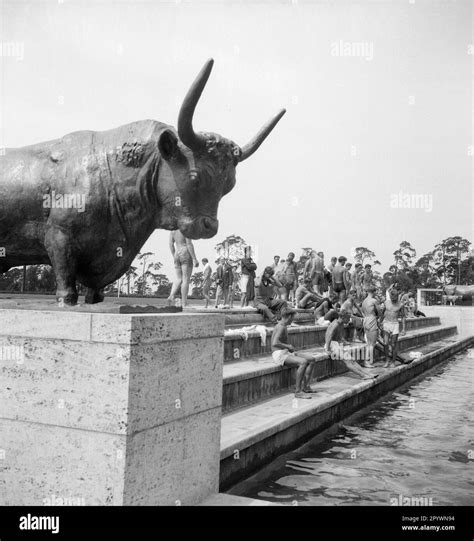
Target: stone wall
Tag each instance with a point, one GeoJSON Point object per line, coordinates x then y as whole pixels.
{"type": "Point", "coordinates": [109, 409]}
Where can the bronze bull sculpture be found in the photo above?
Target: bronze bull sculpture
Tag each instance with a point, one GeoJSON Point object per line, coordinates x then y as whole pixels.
{"type": "Point", "coordinates": [86, 203]}
{"type": "Point", "coordinates": [465, 292]}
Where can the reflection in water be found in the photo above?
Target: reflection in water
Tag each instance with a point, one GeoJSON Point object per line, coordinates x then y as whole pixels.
{"type": "Point", "coordinates": [417, 442]}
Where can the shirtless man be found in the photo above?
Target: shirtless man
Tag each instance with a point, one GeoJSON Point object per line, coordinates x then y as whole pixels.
{"type": "Point", "coordinates": [184, 258]}
{"type": "Point", "coordinates": [264, 301]}
{"type": "Point", "coordinates": [317, 272]}
{"type": "Point", "coordinates": [338, 279]}
{"type": "Point", "coordinates": [206, 281]}
{"type": "Point", "coordinates": [356, 280]}
{"type": "Point", "coordinates": [306, 297]}
{"type": "Point", "coordinates": [370, 310]}
{"type": "Point", "coordinates": [393, 309]}
{"type": "Point", "coordinates": [289, 274]}
{"type": "Point", "coordinates": [367, 278]}
{"type": "Point", "coordinates": [348, 278]}
{"type": "Point", "coordinates": [321, 311]}
{"type": "Point", "coordinates": [333, 346]}
{"type": "Point", "coordinates": [390, 277]}
{"type": "Point", "coordinates": [329, 269]}
{"type": "Point", "coordinates": [350, 306]}
{"type": "Point", "coordinates": [277, 267]}
{"type": "Point", "coordinates": [284, 354]}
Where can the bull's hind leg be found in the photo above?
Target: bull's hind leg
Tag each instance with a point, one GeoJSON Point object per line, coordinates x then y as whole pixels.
{"type": "Point", "coordinates": [94, 296]}
{"type": "Point", "coordinates": [59, 248]}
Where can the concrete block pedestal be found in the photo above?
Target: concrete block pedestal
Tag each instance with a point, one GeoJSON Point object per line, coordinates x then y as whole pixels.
{"type": "Point", "coordinates": [109, 409]}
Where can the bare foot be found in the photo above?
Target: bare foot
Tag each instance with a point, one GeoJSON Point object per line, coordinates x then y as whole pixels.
{"type": "Point", "coordinates": [301, 394]}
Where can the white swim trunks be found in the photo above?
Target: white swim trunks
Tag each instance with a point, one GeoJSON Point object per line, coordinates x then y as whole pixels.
{"type": "Point", "coordinates": [280, 356]}
{"type": "Point", "coordinates": [321, 322]}
{"type": "Point", "coordinates": [391, 327]}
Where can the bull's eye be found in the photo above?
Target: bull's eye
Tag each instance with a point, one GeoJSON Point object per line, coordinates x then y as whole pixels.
{"type": "Point", "coordinates": [193, 175]}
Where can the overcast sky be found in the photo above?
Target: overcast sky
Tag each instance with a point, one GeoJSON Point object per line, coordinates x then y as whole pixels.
{"type": "Point", "coordinates": [364, 123]}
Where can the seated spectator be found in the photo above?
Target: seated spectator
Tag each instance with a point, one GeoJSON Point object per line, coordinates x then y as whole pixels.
{"type": "Point", "coordinates": [284, 354]}
{"type": "Point", "coordinates": [328, 318]}
{"type": "Point", "coordinates": [264, 290]}
{"type": "Point", "coordinates": [305, 296]}
{"type": "Point", "coordinates": [335, 346]}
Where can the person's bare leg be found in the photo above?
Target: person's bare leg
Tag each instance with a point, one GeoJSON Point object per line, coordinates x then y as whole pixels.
{"type": "Point", "coordinates": [176, 285]}
{"type": "Point", "coordinates": [353, 366]}
{"type": "Point", "coordinates": [302, 364]}
{"type": "Point", "coordinates": [386, 339]}
{"type": "Point", "coordinates": [304, 301]}
{"type": "Point", "coordinates": [394, 348]}
{"type": "Point", "coordinates": [243, 300]}
{"type": "Point", "coordinates": [206, 298]}
{"type": "Point", "coordinates": [187, 270]}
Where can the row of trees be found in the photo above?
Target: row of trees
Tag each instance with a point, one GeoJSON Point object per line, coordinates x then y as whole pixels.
{"type": "Point", "coordinates": [450, 262]}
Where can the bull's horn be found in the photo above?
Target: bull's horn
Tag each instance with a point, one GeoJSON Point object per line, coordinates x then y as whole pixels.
{"type": "Point", "coordinates": [251, 147]}
{"type": "Point", "coordinates": [185, 119]}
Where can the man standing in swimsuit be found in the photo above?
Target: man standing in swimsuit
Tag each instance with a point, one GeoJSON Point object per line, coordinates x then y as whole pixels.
{"type": "Point", "coordinates": [290, 274]}
{"type": "Point", "coordinates": [357, 280]}
{"type": "Point", "coordinates": [184, 258]}
{"type": "Point", "coordinates": [370, 310]}
{"type": "Point", "coordinates": [348, 278]}
{"type": "Point", "coordinates": [393, 309]}
{"type": "Point", "coordinates": [338, 274]}
{"type": "Point", "coordinates": [317, 272]}
{"type": "Point", "coordinates": [247, 284]}
{"type": "Point", "coordinates": [367, 278]}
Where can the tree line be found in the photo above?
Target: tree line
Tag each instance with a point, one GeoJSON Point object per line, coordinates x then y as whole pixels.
{"type": "Point", "coordinates": [450, 262]}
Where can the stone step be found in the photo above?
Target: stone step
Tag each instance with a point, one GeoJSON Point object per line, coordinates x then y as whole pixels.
{"type": "Point", "coordinates": [257, 378]}
{"type": "Point", "coordinates": [300, 336]}
{"type": "Point", "coordinates": [244, 317]}
{"type": "Point", "coordinates": [255, 435]}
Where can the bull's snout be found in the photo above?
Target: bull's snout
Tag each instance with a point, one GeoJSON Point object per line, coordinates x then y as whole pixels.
{"type": "Point", "coordinates": [203, 227]}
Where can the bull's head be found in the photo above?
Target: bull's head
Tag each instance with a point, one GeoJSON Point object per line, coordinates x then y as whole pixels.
{"type": "Point", "coordinates": [202, 166]}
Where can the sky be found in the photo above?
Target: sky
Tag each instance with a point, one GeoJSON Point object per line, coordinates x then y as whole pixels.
{"type": "Point", "coordinates": [378, 98]}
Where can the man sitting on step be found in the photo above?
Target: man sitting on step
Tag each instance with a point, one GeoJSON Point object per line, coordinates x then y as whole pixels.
{"type": "Point", "coordinates": [284, 354]}
{"type": "Point", "coordinates": [333, 346]}
{"type": "Point", "coordinates": [264, 302]}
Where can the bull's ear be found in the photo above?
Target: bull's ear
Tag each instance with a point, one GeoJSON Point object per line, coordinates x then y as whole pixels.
{"type": "Point", "coordinates": [168, 144]}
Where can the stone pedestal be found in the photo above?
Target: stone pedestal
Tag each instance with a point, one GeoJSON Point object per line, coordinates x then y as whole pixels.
{"type": "Point", "coordinates": [109, 409]}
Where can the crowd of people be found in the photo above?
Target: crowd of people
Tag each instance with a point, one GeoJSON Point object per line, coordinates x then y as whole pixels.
{"type": "Point", "coordinates": [342, 297]}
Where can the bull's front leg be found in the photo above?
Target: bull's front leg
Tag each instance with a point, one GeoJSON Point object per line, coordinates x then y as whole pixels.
{"type": "Point", "coordinates": [94, 296]}
{"type": "Point", "coordinates": [60, 251]}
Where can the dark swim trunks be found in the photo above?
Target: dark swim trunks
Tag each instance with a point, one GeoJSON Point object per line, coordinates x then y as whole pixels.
{"type": "Point", "coordinates": [338, 287]}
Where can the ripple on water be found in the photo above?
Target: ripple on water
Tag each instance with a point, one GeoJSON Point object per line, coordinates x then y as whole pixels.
{"type": "Point", "coordinates": [395, 449]}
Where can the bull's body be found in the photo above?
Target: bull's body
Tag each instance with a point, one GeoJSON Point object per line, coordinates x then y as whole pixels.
{"type": "Point", "coordinates": [86, 203]}
{"type": "Point", "coordinates": [116, 174]}
{"type": "Point", "coordinates": [463, 292]}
